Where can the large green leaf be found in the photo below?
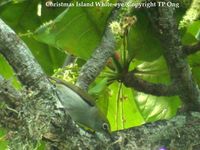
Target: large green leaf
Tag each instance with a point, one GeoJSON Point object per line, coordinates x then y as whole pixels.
{"type": "Point", "coordinates": [191, 35]}
{"type": "Point", "coordinates": [117, 103]}
{"type": "Point", "coordinates": [77, 30]}
{"type": "Point", "coordinates": [26, 19]}
{"type": "Point", "coordinates": [128, 108]}
{"type": "Point", "coordinates": [122, 112]}
{"type": "Point", "coordinates": [143, 43]}
{"type": "Point", "coordinates": [152, 107]}
{"type": "Point", "coordinates": [100, 86]}
{"type": "Point", "coordinates": [157, 108]}
{"type": "Point", "coordinates": [48, 57]}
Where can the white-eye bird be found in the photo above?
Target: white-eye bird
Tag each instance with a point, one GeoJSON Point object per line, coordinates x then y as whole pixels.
{"type": "Point", "coordinates": [81, 107]}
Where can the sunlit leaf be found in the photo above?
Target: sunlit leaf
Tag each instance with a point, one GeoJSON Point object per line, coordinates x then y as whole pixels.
{"type": "Point", "coordinates": [128, 108]}
{"type": "Point", "coordinates": [192, 33]}
{"type": "Point", "coordinates": [123, 112]}
{"type": "Point", "coordinates": [152, 107]}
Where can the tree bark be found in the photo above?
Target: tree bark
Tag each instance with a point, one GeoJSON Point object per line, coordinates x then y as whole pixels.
{"type": "Point", "coordinates": [41, 119]}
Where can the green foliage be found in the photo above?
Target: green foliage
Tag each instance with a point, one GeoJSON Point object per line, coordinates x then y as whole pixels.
{"type": "Point", "coordinates": [100, 91]}
{"type": "Point", "coordinates": [3, 142]}
{"type": "Point", "coordinates": [192, 14]}
{"type": "Point", "coordinates": [76, 30]}
{"type": "Point", "coordinates": [25, 20]}
{"type": "Point", "coordinates": [123, 112]}
{"type": "Point", "coordinates": [186, 3]}
{"type": "Point", "coordinates": [143, 43]}
{"type": "Point", "coordinates": [7, 72]}
{"type": "Point", "coordinates": [68, 73]}
{"type": "Point", "coordinates": [191, 35]}
{"type": "Point", "coordinates": [41, 146]}
{"type": "Point", "coordinates": [155, 108]}
{"type": "Point", "coordinates": [195, 66]}
{"type": "Point", "coordinates": [127, 108]}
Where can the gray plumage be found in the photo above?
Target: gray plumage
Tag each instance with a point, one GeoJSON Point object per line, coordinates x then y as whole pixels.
{"type": "Point", "coordinates": [80, 110]}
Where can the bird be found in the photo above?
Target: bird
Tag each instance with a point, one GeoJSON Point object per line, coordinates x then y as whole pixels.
{"type": "Point", "coordinates": [81, 106]}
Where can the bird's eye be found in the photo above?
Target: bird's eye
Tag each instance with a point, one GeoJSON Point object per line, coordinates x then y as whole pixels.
{"type": "Point", "coordinates": [105, 126]}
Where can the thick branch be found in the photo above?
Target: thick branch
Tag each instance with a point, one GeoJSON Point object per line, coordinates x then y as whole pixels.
{"type": "Point", "coordinates": [187, 50]}
{"type": "Point", "coordinates": [177, 133]}
{"type": "Point", "coordinates": [96, 63]}
{"type": "Point", "coordinates": [20, 58]}
{"type": "Point", "coordinates": [180, 133]}
{"type": "Point", "coordinates": [178, 67]}
{"type": "Point", "coordinates": [38, 113]}
{"type": "Point", "coordinates": [38, 108]}
{"type": "Point", "coordinates": [130, 80]}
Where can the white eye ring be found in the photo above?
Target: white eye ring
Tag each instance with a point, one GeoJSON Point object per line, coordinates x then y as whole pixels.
{"type": "Point", "coordinates": [105, 126]}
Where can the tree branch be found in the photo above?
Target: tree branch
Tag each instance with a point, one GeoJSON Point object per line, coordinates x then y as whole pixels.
{"type": "Point", "coordinates": [39, 115]}
{"type": "Point", "coordinates": [188, 50]}
{"type": "Point", "coordinates": [96, 63]}
{"type": "Point", "coordinates": [38, 104]}
{"type": "Point", "coordinates": [130, 80]}
{"type": "Point", "coordinates": [180, 133]}
{"type": "Point", "coordinates": [39, 110]}
{"type": "Point", "coordinates": [178, 66]}
{"type": "Point", "coordinates": [20, 58]}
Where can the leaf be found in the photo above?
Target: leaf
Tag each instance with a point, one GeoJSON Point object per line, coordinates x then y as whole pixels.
{"type": "Point", "coordinates": [195, 66]}
{"type": "Point", "coordinates": [25, 18]}
{"type": "Point", "coordinates": [99, 87]}
{"type": "Point", "coordinates": [152, 107]}
{"type": "Point", "coordinates": [128, 108]}
{"type": "Point", "coordinates": [7, 72]}
{"type": "Point", "coordinates": [157, 108]}
{"type": "Point", "coordinates": [192, 33]}
{"type": "Point", "coordinates": [100, 90]}
{"type": "Point", "coordinates": [48, 57]}
{"type": "Point", "coordinates": [78, 30]}
{"type": "Point", "coordinates": [143, 43]}
{"type": "Point", "coordinates": [123, 112]}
